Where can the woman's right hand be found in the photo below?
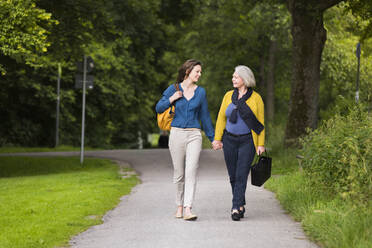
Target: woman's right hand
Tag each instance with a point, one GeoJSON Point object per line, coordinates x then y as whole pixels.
{"type": "Point", "coordinates": [177, 95]}
{"type": "Point", "coordinates": [260, 150]}
{"type": "Point", "coordinates": [217, 144]}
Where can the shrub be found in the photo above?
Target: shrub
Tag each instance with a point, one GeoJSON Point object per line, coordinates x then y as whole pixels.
{"type": "Point", "coordinates": [338, 155]}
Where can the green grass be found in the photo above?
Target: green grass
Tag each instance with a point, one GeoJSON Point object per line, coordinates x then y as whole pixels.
{"type": "Point", "coordinates": [328, 220]}
{"type": "Point", "coordinates": [62, 148]}
{"type": "Point", "coordinates": [284, 161]}
{"type": "Point", "coordinates": [45, 201]}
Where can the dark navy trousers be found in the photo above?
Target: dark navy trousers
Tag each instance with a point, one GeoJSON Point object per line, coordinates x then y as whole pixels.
{"type": "Point", "coordinates": [239, 153]}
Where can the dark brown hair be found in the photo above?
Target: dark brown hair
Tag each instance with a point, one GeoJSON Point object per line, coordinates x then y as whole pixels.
{"type": "Point", "coordinates": [186, 68]}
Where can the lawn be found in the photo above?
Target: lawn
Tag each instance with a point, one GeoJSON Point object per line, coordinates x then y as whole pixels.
{"type": "Point", "coordinates": [62, 148]}
{"type": "Point", "coordinates": [45, 201]}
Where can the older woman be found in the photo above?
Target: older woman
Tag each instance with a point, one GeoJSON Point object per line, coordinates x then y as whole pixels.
{"type": "Point", "coordinates": [240, 131]}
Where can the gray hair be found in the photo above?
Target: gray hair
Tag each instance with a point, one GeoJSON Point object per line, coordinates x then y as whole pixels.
{"type": "Point", "coordinates": [246, 74]}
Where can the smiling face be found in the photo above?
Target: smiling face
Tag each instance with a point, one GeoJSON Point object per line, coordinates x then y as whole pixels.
{"type": "Point", "coordinates": [237, 81]}
{"type": "Point", "coordinates": [195, 73]}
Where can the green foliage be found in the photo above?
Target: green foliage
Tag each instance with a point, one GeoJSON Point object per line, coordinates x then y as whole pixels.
{"type": "Point", "coordinates": [62, 148]}
{"type": "Point", "coordinates": [339, 63]}
{"type": "Point", "coordinates": [338, 155]}
{"type": "Point", "coordinates": [284, 159]}
{"type": "Point", "coordinates": [124, 39]}
{"type": "Point", "coordinates": [23, 31]}
{"type": "Point", "coordinates": [241, 34]}
{"type": "Point", "coordinates": [45, 201]}
{"type": "Point", "coordinates": [137, 47]}
{"type": "Point", "coordinates": [362, 10]}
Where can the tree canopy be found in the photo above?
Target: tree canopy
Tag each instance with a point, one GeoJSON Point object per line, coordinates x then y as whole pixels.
{"type": "Point", "coordinates": [137, 47]}
{"type": "Point", "coordinates": [24, 29]}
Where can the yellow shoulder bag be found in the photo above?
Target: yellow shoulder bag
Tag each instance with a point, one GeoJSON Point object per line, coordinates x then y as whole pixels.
{"type": "Point", "coordinates": [165, 119]}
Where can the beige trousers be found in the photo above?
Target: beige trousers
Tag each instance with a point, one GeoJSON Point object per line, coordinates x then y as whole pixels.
{"type": "Point", "coordinates": [185, 145]}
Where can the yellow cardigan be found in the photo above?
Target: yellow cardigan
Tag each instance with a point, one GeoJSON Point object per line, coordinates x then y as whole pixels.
{"type": "Point", "coordinates": [257, 106]}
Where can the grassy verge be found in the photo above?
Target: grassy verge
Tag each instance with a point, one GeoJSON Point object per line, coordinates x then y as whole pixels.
{"type": "Point", "coordinates": [328, 220]}
{"type": "Point", "coordinates": [284, 160]}
{"type": "Point", "coordinates": [62, 148]}
{"type": "Point", "coordinates": [45, 201]}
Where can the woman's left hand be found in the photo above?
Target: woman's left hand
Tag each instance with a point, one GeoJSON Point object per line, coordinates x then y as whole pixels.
{"type": "Point", "coordinates": [217, 144]}
{"type": "Point", "coordinates": [260, 150]}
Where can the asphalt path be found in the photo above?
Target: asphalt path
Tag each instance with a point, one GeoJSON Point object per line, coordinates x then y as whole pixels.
{"type": "Point", "coordinates": [145, 218]}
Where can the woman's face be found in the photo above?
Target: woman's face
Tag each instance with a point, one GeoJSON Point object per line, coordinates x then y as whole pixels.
{"type": "Point", "coordinates": [195, 73]}
{"type": "Point", "coordinates": [237, 81]}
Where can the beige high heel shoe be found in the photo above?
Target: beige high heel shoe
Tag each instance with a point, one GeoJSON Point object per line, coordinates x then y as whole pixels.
{"type": "Point", "coordinates": [190, 217]}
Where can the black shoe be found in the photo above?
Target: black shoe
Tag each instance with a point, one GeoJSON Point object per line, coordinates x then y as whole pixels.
{"type": "Point", "coordinates": [235, 216]}
{"type": "Point", "coordinates": [241, 213]}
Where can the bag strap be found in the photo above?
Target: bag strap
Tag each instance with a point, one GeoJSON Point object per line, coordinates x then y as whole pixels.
{"type": "Point", "coordinates": [255, 160]}
{"type": "Point", "coordinates": [173, 107]}
{"type": "Point", "coordinates": [177, 87]}
{"type": "Point", "coordinates": [257, 157]}
{"type": "Point", "coordinates": [266, 153]}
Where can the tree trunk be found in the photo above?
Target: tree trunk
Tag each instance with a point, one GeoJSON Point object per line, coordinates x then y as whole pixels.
{"type": "Point", "coordinates": [262, 83]}
{"type": "Point", "coordinates": [270, 109]}
{"type": "Point", "coordinates": [309, 37]}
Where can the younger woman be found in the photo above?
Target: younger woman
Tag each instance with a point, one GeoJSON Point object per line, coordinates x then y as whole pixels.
{"type": "Point", "coordinates": [185, 139]}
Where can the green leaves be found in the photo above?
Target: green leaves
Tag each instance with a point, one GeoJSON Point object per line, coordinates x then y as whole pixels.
{"type": "Point", "coordinates": [362, 10]}
{"type": "Point", "coordinates": [23, 31]}
{"type": "Point", "coordinates": [339, 63]}
{"type": "Point", "coordinates": [338, 155]}
{"type": "Point", "coordinates": [126, 40]}
{"type": "Point", "coordinates": [137, 47]}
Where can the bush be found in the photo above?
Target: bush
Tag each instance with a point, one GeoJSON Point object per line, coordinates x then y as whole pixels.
{"type": "Point", "coordinates": [338, 155]}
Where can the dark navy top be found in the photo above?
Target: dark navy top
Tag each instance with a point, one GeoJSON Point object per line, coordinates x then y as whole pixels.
{"type": "Point", "coordinates": [189, 113]}
{"type": "Point", "coordinates": [240, 127]}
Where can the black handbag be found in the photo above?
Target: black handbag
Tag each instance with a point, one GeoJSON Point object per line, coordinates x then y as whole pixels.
{"type": "Point", "coordinates": [261, 170]}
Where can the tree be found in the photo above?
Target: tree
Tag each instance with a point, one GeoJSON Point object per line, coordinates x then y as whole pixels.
{"type": "Point", "coordinates": [362, 9]}
{"type": "Point", "coordinates": [243, 32]}
{"type": "Point", "coordinates": [127, 40]}
{"type": "Point", "coordinates": [23, 31]}
{"type": "Point", "coordinates": [272, 25]}
{"type": "Point", "coordinates": [309, 37]}
{"type": "Point", "coordinates": [339, 63]}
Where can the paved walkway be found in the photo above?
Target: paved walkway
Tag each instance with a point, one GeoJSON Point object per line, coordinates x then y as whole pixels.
{"type": "Point", "coordinates": [145, 217]}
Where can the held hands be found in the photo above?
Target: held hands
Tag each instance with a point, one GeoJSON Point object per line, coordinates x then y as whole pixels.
{"type": "Point", "coordinates": [260, 150]}
{"type": "Point", "coordinates": [175, 96]}
{"type": "Point", "coordinates": [217, 144]}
